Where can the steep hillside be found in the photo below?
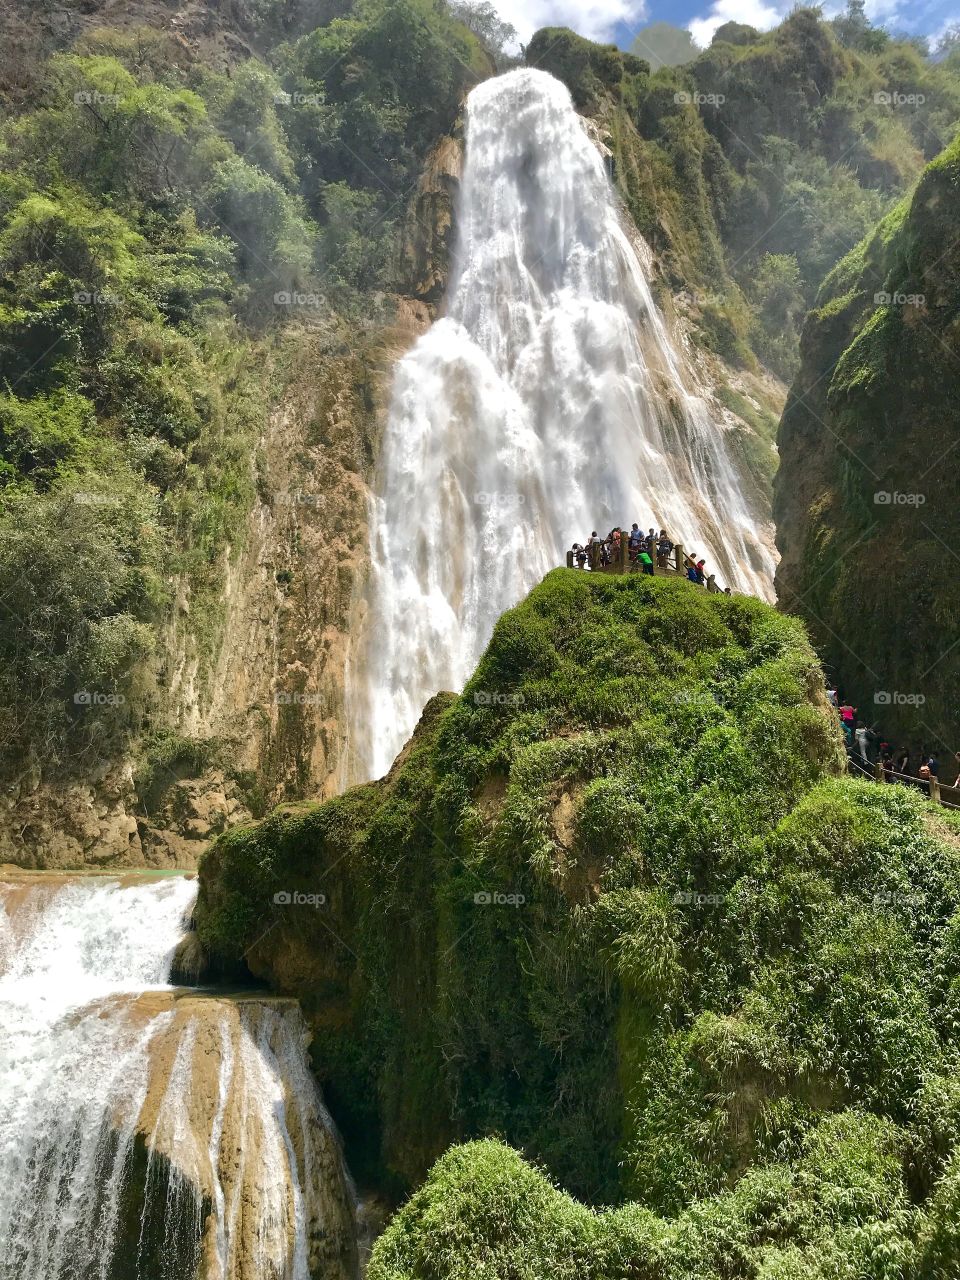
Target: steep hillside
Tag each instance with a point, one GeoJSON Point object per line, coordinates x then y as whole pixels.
{"type": "Point", "coordinates": [209, 261]}
{"type": "Point", "coordinates": [867, 496]}
{"type": "Point", "coordinates": [220, 224]}
{"type": "Point", "coordinates": [615, 906]}
{"type": "Point", "coordinates": [219, 230]}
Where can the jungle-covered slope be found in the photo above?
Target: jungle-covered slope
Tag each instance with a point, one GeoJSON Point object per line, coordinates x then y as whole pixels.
{"type": "Point", "coordinates": [616, 906]}
{"type": "Point", "coordinates": [868, 501]}
{"type": "Point", "coordinates": [214, 240]}
{"type": "Point", "coordinates": [754, 168]}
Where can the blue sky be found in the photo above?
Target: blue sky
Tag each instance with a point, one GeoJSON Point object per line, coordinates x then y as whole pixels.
{"type": "Point", "coordinates": [620, 20]}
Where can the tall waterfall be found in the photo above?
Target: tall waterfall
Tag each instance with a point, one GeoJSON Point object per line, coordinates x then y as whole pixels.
{"type": "Point", "coordinates": [548, 402]}
{"type": "Point", "coordinates": [148, 1133]}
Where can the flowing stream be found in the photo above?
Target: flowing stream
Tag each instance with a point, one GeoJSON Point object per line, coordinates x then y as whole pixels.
{"type": "Point", "coordinates": [148, 1132]}
{"type": "Point", "coordinates": [549, 401]}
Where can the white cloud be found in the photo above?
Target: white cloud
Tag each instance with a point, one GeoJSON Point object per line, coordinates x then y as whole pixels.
{"type": "Point", "coordinates": [753, 12]}
{"type": "Point", "coordinates": [595, 19]}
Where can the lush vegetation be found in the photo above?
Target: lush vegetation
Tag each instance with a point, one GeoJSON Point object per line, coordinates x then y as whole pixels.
{"type": "Point", "coordinates": [719, 983]}
{"type": "Point", "coordinates": [159, 224]}
{"type": "Point", "coordinates": [868, 498]}
{"type": "Point", "coordinates": [755, 167]}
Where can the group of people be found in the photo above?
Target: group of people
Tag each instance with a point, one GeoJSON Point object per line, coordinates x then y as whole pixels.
{"type": "Point", "coordinates": [866, 749]}
{"type": "Point", "coordinates": [644, 551]}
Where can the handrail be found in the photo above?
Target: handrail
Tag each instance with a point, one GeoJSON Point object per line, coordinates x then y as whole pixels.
{"type": "Point", "coordinates": [933, 786]}
{"type": "Point", "coordinates": [624, 563]}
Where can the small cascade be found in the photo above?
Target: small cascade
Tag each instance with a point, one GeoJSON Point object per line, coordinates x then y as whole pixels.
{"type": "Point", "coordinates": [149, 1132]}
{"type": "Point", "coordinates": [550, 400]}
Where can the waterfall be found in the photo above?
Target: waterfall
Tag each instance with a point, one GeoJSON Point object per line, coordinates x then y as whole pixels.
{"type": "Point", "coordinates": [148, 1132]}
{"type": "Point", "coordinates": [549, 401]}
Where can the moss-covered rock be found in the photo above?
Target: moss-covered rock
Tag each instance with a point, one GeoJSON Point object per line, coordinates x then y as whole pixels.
{"type": "Point", "coordinates": [867, 504]}
{"type": "Point", "coordinates": [615, 905]}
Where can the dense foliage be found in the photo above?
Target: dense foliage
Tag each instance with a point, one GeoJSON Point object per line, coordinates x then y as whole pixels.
{"type": "Point", "coordinates": [159, 224]}
{"type": "Point", "coordinates": [867, 501]}
{"type": "Point", "coordinates": [703, 974]}
{"type": "Point", "coordinates": [756, 166]}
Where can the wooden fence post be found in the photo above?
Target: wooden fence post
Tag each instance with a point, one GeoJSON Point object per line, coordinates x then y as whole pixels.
{"type": "Point", "coordinates": [569, 559]}
{"type": "Point", "coordinates": [624, 553]}
{"type": "Point", "coordinates": [934, 789]}
{"type": "Point", "coordinates": [678, 551]}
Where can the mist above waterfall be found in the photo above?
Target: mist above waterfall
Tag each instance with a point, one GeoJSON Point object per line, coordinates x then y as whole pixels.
{"type": "Point", "coordinates": [548, 401]}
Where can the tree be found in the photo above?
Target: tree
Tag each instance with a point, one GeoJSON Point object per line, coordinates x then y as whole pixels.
{"type": "Point", "coordinates": [855, 31]}
{"type": "Point", "coordinates": [484, 21]}
{"type": "Point", "coordinates": [663, 45]}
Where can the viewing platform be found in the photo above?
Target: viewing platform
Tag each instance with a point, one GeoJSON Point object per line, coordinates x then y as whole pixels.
{"type": "Point", "coordinates": [673, 566]}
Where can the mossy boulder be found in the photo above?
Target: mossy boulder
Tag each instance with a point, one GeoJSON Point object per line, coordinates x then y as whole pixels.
{"type": "Point", "coordinates": [616, 905]}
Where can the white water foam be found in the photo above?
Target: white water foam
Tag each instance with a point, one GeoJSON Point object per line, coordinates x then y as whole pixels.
{"type": "Point", "coordinates": [76, 1057]}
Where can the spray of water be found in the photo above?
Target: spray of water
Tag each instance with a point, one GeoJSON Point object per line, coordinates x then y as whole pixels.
{"type": "Point", "coordinates": [549, 401]}
{"type": "Point", "coordinates": [145, 1132]}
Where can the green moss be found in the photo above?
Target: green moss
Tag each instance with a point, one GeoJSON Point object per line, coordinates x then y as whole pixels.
{"type": "Point", "coordinates": [867, 499]}
{"type": "Point", "coordinates": [624, 768]}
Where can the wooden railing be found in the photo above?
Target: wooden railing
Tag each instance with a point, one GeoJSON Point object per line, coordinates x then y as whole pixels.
{"type": "Point", "coordinates": [623, 563]}
{"type": "Point", "coordinates": [937, 791]}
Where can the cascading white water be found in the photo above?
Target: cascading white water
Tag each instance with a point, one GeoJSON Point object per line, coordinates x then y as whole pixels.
{"type": "Point", "coordinates": [548, 402]}
{"type": "Point", "coordinates": [148, 1133]}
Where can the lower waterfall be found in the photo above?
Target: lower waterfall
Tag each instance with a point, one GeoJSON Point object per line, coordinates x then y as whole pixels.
{"type": "Point", "coordinates": [149, 1132]}
{"type": "Point", "coordinates": [550, 400]}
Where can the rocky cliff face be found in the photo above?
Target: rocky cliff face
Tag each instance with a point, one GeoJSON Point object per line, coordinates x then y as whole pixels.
{"type": "Point", "coordinates": [253, 716]}
{"type": "Point", "coordinates": [867, 493]}
{"type": "Point", "coordinates": [256, 716]}
{"type": "Point", "coordinates": [206, 1152]}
